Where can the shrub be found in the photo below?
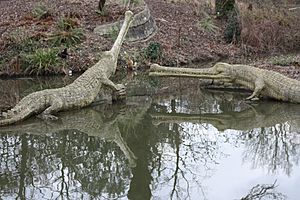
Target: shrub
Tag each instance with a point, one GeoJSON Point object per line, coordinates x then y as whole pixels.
{"type": "Point", "coordinates": [68, 33]}
{"type": "Point", "coordinates": [224, 7]}
{"type": "Point", "coordinates": [42, 61]}
{"type": "Point", "coordinates": [153, 51]}
{"type": "Point", "coordinates": [68, 38]}
{"type": "Point", "coordinates": [67, 23]}
{"type": "Point", "coordinates": [232, 30]}
{"type": "Point", "coordinates": [270, 29]}
{"type": "Point", "coordinates": [207, 24]}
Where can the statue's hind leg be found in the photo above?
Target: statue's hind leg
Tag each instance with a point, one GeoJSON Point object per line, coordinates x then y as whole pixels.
{"type": "Point", "coordinates": [54, 108]}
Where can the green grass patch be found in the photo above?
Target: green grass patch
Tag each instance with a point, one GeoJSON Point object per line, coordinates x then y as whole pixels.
{"type": "Point", "coordinates": [67, 34]}
{"type": "Point", "coordinates": [67, 23]}
{"type": "Point", "coordinates": [42, 61]}
{"type": "Point", "coordinates": [68, 38]}
{"type": "Point", "coordinates": [153, 52]}
{"type": "Point", "coordinates": [207, 24]}
{"type": "Point", "coordinates": [40, 12]}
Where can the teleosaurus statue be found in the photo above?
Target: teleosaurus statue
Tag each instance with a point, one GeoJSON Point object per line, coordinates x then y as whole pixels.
{"type": "Point", "coordinates": [261, 82]}
{"type": "Point", "coordinates": [82, 92]}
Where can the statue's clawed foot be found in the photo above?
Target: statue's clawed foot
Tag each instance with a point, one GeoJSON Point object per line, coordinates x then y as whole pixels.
{"type": "Point", "coordinates": [120, 93]}
{"type": "Point", "coordinates": [252, 98]}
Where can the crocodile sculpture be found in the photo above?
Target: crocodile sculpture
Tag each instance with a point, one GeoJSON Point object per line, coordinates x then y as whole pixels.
{"type": "Point", "coordinates": [261, 82]}
{"type": "Point", "coordinates": [82, 92]}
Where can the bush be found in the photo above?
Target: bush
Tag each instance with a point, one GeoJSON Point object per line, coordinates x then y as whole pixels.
{"type": "Point", "coordinates": [42, 61]}
{"type": "Point", "coordinates": [68, 38]}
{"type": "Point", "coordinates": [153, 51]}
{"type": "Point", "coordinates": [224, 7]}
{"type": "Point", "coordinates": [232, 30]}
{"type": "Point", "coordinates": [68, 33]}
{"type": "Point", "coordinates": [67, 23]}
{"type": "Point", "coordinates": [207, 24]}
{"type": "Point", "coordinates": [270, 29]}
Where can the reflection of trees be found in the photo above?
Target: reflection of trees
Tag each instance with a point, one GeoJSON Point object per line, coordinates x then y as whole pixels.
{"type": "Point", "coordinates": [266, 131]}
{"type": "Point", "coordinates": [87, 154]}
{"type": "Point", "coordinates": [175, 151]}
{"type": "Point", "coordinates": [272, 147]}
{"type": "Point", "coordinates": [264, 191]}
{"type": "Point", "coordinates": [71, 158]}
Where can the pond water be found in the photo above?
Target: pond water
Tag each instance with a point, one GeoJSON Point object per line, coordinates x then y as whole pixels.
{"type": "Point", "coordinates": [189, 143]}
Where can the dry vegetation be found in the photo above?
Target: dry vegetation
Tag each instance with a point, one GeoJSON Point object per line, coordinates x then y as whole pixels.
{"type": "Point", "coordinates": [188, 32]}
{"type": "Point", "coordinates": [270, 28]}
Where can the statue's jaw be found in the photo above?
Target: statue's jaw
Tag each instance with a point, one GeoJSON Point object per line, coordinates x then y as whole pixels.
{"type": "Point", "coordinates": [206, 73]}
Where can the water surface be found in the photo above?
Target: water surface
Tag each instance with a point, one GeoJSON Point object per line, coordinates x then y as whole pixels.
{"type": "Point", "coordinates": [189, 144]}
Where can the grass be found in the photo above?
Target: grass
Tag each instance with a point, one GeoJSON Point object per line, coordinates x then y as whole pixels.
{"type": "Point", "coordinates": [67, 23]}
{"type": "Point", "coordinates": [68, 38]}
{"type": "Point", "coordinates": [67, 34]}
{"type": "Point", "coordinates": [207, 24]}
{"type": "Point", "coordinates": [40, 12]}
{"type": "Point", "coordinates": [35, 50]}
{"type": "Point", "coordinates": [42, 61]}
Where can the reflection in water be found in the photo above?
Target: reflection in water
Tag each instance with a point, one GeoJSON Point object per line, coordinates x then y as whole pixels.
{"type": "Point", "coordinates": [268, 132]}
{"type": "Point", "coordinates": [266, 135]}
{"type": "Point", "coordinates": [54, 159]}
{"type": "Point", "coordinates": [264, 191]}
{"type": "Point", "coordinates": [169, 149]}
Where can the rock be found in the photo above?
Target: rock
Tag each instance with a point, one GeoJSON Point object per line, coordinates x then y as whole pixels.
{"type": "Point", "coordinates": [142, 27]}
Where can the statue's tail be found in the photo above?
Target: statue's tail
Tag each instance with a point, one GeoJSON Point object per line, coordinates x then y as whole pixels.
{"type": "Point", "coordinates": [13, 118]}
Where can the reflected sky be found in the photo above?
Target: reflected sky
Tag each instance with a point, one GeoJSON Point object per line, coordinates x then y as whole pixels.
{"type": "Point", "coordinates": [192, 144]}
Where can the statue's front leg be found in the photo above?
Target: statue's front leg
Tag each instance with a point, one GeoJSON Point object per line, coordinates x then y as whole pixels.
{"type": "Point", "coordinates": [119, 90]}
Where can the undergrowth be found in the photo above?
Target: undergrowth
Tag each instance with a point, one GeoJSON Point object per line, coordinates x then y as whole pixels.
{"type": "Point", "coordinates": [270, 29]}
{"type": "Point", "coordinates": [207, 24]}
{"type": "Point", "coordinates": [68, 38]}
{"type": "Point", "coordinates": [36, 53]}
{"type": "Point", "coordinates": [42, 61]}
{"type": "Point", "coordinates": [68, 32]}
{"type": "Point", "coordinates": [153, 52]}
{"type": "Point", "coordinates": [41, 12]}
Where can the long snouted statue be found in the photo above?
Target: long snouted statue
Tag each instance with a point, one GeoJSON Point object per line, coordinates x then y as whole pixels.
{"type": "Point", "coordinates": [262, 82]}
{"type": "Point", "coordinates": [82, 92]}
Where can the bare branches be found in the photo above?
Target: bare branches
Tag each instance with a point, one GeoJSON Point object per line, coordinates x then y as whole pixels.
{"type": "Point", "coordinates": [264, 191]}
